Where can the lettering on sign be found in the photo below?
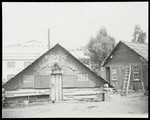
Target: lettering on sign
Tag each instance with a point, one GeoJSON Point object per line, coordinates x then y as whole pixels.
{"type": "Point", "coordinates": [56, 57]}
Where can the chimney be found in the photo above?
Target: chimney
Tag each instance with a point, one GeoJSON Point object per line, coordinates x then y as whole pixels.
{"type": "Point", "coordinates": [48, 38]}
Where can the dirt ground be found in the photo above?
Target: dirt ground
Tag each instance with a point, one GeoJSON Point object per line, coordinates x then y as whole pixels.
{"type": "Point", "coordinates": [133, 105]}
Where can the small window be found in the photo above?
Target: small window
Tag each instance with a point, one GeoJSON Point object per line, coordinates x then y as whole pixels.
{"type": "Point", "coordinates": [28, 81]}
{"type": "Point", "coordinates": [26, 64]}
{"type": "Point", "coordinates": [82, 77]}
{"type": "Point", "coordinates": [10, 76]}
{"type": "Point", "coordinates": [114, 74]}
{"type": "Point", "coordinates": [136, 73]}
{"type": "Point", "coordinates": [10, 64]}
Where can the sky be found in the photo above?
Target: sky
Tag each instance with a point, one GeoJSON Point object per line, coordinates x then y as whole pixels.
{"type": "Point", "coordinates": [71, 24]}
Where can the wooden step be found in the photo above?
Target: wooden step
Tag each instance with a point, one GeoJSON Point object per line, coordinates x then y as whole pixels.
{"type": "Point", "coordinates": [127, 70]}
{"type": "Point", "coordinates": [125, 85]}
{"type": "Point", "coordinates": [126, 78]}
{"type": "Point", "coordinates": [125, 82]}
{"type": "Point", "coordinates": [124, 88]}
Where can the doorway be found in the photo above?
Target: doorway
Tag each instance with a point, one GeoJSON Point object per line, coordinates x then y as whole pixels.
{"type": "Point", "coordinates": [108, 74]}
{"type": "Point", "coordinates": [56, 87]}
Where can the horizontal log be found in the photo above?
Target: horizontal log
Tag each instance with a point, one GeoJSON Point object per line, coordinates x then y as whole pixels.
{"type": "Point", "coordinates": [83, 93]}
{"type": "Point", "coordinates": [80, 89]}
{"type": "Point", "coordinates": [29, 92]}
{"type": "Point", "coordinates": [81, 97]}
{"type": "Point", "coordinates": [34, 92]}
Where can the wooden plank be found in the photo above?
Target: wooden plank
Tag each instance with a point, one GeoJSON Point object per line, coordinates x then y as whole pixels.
{"type": "Point", "coordinates": [80, 97]}
{"type": "Point", "coordinates": [29, 92]}
{"type": "Point", "coordinates": [57, 87]}
{"type": "Point", "coordinates": [53, 88]}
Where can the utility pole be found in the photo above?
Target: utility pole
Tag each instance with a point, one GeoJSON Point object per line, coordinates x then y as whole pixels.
{"type": "Point", "coordinates": [48, 38]}
{"type": "Point", "coordinates": [48, 49]}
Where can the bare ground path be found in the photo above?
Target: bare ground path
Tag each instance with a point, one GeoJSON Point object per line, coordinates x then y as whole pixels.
{"type": "Point", "coordinates": [133, 105]}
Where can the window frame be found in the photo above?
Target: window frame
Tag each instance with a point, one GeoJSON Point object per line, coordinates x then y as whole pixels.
{"type": "Point", "coordinates": [112, 73]}
{"type": "Point", "coordinates": [11, 66]}
{"type": "Point", "coordinates": [135, 72]}
{"type": "Point", "coordinates": [27, 83]}
{"type": "Point", "coordinates": [79, 78]}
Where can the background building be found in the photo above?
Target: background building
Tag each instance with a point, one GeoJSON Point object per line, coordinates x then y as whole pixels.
{"type": "Point", "coordinates": [127, 54]}
{"type": "Point", "coordinates": [16, 57]}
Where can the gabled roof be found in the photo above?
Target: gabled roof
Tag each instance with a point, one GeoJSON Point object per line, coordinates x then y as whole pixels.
{"type": "Point", "coordinates": [140, 49]}
{"type": "Point", "coordinates": [57, 45]}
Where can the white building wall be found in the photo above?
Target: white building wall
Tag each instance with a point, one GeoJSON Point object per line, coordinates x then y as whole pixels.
{"type": "Point", "coordinates": [19, 66]}
{"type": "Point", "coordinates": [20, 53]}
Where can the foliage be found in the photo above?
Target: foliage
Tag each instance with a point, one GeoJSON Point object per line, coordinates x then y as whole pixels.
{"type": "Point", "coordinates": [138, 35]}
{"type": "Point", "coordinates": [86, 61]}
{"type": "Point", "coordinates": [98, 48]}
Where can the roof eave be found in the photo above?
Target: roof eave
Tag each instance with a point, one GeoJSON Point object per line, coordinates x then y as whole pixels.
{"type": "Point", "coordinates": [105, 60]}
{"type": "Point", "coordinates": [135, 51]}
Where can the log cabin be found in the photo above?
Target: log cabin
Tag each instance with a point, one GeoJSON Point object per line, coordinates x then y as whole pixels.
{"type": "Point", "coordinates": [127, 54]}
{"type": "Point", "coordinates": [56, 75]}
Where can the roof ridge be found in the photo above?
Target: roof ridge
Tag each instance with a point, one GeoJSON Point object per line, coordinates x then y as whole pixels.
{"type": "Point", "coordinates": [135, 42]}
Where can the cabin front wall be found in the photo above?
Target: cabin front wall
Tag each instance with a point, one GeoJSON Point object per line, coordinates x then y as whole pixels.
{"type": "Point", "coordinates": [121, 58]}
{"type": "Point", "coordinates": [145, 76]}
{"type": "Point", "coordinates": [120, 69]}
{"type": "Point", "coordinates": [75, 76]}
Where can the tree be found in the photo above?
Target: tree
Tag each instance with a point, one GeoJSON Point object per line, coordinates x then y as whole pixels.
{"type": "Point", "coordinates": [138, 35]}
{"type": "Point", "coordinates": [98, 48]}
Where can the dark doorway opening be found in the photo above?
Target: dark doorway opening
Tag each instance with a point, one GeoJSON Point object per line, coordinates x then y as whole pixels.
{"type": "Point", "coordinates": [108, 74]}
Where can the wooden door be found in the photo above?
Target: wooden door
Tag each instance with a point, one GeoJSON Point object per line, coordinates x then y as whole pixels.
{"type": "Point", "coordinates": [108, 74]}
{"type": "Point", "coordinates": [56, 87]}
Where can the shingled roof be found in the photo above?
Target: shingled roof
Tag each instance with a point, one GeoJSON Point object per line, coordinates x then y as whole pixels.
{"type": "Point", "coordinates": [140, 49]}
